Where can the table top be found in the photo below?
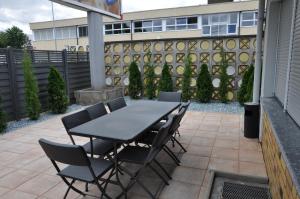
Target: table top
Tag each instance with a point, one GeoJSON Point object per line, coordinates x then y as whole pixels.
{"type": "Point", "coordinates": [125, 124]}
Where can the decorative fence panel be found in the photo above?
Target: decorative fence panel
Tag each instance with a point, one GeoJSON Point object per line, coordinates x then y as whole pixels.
{"type": "Point", "coordinates": [73, 66]}
{"type": "Point", "coordinates": [239, 54]}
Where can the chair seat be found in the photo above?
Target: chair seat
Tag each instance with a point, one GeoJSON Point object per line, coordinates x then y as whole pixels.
{"type": "Point", "coordinates": [147, 138]}
{"type": "Point", "coordinates": [134, 154]}
{"type": "Point", "coordinates": [82, 173]}
{"type": "Point", "coordinates": [100, 147]}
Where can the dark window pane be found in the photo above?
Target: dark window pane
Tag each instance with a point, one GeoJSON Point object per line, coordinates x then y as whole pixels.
{"type": "Point", "coordinates": [206, 30]}
{"type": "Point", "coordinates": [138, 30]}
{"type": "Point", "coordinates": [204, 20]}
{"type": "Point", "coordinates": [108, 32]}
{"type": "Point", "coordinates": [231, 29]}
{"type": "Point", "coordinates": [193, 26]}
{"type": "Point", "coordinates": [171, 21]}
{"type": "Point", "coordinates": [126, 31]}
{"type": "Point", "coordinates": [126, 25]}
{"type": "Point", "coordinates": [192, 20]}
{"type": "Point", "coordinates": [138, 24]}
{"type": "Point", "coordinates": [83, 31]}
{"type": "Point", "coordinates": [181, 27]}
{"type": "Point", "coordinates": [181, 21]}
{"type": "Point", "coordinates": [117, 26]}
{"type": "Point", "coordinates": [108, 26]}
{"type": "Point", "coordinates": [117, 31]}
{"type": "Point", "coordinates": [247, 23]}
{"type": "Point", "coordinates": [157, 23]}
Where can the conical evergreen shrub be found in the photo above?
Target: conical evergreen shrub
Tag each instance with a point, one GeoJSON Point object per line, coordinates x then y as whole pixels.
{"type": "Point", "coordinates": [242, 95]}
{"type": "Point", "coordinates": [204, 85]}
{"type": "Point", "coordinates": [135, 81]}
{"type": "Point", "coordinates": [33, 106]}
{"type": "Point", "coordinates": [57, 97]}
{"type": "Point", "coordinates": [2, 118]}
{"type": "Point", "coordinates": [166, 82]}
{"type": "Point", "coordinates": [186, 81]}
{"type": "Point", "coordinates": [150, 77]}
{"type": "Point", "coordinates": [249, 95]}
{"type": "Point", "coordinates": [224, 78]}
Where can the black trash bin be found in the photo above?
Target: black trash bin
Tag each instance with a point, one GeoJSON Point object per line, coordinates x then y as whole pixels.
{"type": "Point", "coordinates": [251, 120]}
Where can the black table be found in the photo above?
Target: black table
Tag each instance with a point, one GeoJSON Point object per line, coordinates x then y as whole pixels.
{"type": "Point", "coordinates": [125, 124]}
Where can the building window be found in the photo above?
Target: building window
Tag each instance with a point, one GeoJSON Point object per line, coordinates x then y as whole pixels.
{"type": "Point", "coordinates": [43, 34]}
{"type": "Point", "coordinates": [183, 23]}
{"type": "Point", "coordinates": [65, 33]}
{"type": "Point", "coordinates": [220, 24]}
{"type": "Point", "coordinates": [249, 19]}
{"type": "Point", "coordinates": [117, 28]}
{"type": "Point", "coordinates": [148, 26]}
{"type": "Point", "coordinates": [83, 31]}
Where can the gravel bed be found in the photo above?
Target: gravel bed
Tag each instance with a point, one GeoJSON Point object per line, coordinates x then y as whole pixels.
{"type": "Point", "coordinates": [195, 106]}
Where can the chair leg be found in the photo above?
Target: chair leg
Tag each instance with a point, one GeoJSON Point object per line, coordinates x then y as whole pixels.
{"type": "Point", "coordinates": [135, 179]}
{"type": "Point", "coordinates": [179, 144]}
{"type": "Point", "coordinates": [86, 187]}
{"type": "Point", "coordinates": [102, 190]}
{"type": "Point", "coordinates": [173, 157]}
{"type": "Point", "coordinates": [107, 181]}
{"type": "Point", "coordinates": [70, 186]}
{"type": "Point", "coordinates": [158, 174]}
{"type": "Point", "coordinates": [163, 169]}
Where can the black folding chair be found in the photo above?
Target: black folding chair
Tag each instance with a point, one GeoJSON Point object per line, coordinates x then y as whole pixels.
{"type": "Point", "coordinates": [116, 104]}
{"type": "Point", "coordinates": [94, 146]}
{"type": "Point", "coordinates": [96, 111]}
{"type": "Point", "coordinates": [144, 156]}
{"type": "Point", "coordinates": [80, 167]}
{"type": "Point", "coordinates": [169, 96]}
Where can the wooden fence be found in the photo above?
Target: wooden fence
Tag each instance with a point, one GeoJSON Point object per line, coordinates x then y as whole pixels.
{"type": "Point", "coordinates": [73, 66]}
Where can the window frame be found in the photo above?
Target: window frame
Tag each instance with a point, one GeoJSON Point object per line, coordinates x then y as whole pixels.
{"type": "Point", "coordinates": [121, 29]}
{"type": "Point", "coordinates": [253, 20]}
{"type": "Point", "coordinates": [78, 31]}
{"type": "Point", "coordinates": [186, 24]}
{"type": "Point", "coordinates": [148, 27]}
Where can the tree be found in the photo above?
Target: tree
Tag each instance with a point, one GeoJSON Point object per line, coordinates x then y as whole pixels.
{"type": "Point", "coordinates": [204, 85]}
{"type": "Point", "coordinates": [33, 105]}
{"type": "Point", "coordinates": [242, 95]}
{"type": "Point", "coordinates": [57, 97]}
{"type": "Point", "coordinates": [2, 118]}
{"type": "Point", "coordinates": [150, 78]}
{"type": "Point", "coordinates": [166, 82]}
{"type": "Point", "coordinates": [13, 37]}
{"type": "Point", "coordinates": [3, 40]}
{"type": "Point", "coordinates": [224, 78]}
{"type": "Point", "coordinates": [186, 81]}
{"type": "Point", "coordinates": [135, 81]}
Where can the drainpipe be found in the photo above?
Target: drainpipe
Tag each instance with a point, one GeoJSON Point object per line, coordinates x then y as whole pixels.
{"type": "Point", "coordinates": [258, 57]}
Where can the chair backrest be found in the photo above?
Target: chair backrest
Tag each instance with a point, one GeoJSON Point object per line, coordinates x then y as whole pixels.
{"type": "Point", "coordinates": [184, 106]}
{"type": "Point", "coordinates": [64, 153]}
{"type": "Point", "coordinates": [159, 139]}
{"type": "Point", "coordinates": [169, 96]}
{"type": "Point", "coordinates": [176, 121]}
{"type": "Point", "coordinates": [96, 111]}
{"type": "Point", "coordinates": [116, 104]}
{"type": "Point", "coordinates": [75, 119]}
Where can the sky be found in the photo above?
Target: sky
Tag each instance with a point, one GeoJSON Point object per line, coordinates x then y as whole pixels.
{"type": "Point", "coordinates": [21, 12]}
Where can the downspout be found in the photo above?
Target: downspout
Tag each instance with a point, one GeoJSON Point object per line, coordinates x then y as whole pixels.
{"type": "Point", "coordinates": [258, 56]}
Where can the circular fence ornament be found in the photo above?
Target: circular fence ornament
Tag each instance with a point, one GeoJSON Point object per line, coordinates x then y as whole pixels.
{"type": "Point", "coordinates": [180, 70]}
{"type": "Point", "coordinates": [231, 44]}
{"type": "Point", "coordinates": [193, 82]}
{"type": "Point", "coordinates": [193, 57]}
{"type": "Point", "coordinates": [230, 95]}
{"type": "Point", "coordinates": [117, 48]}
{"type": "Point", "coordinates": [217, 57]}
{"type": "Point", "coordinates": [244, 57]}
{"type": "Point", "coordinates": [108, 81]}
{"type": "Point", "coordinates": [117, 70]}
{"type": "Point", "coordinates": [126, 81]}
{"type": "Point", "coordinates": [169, 58]}
{"type": "Point", "coordinates": [127, 59]}
{"type": "Point", "coordinates": [137, 47]}
{"type": "Point", "coordinates": [158, 47]}
{"type": "Point", "coordinates": [180, 46]}
{"type": "Point", "coordinates": [107, 59]}
{"type": "Point", "coordinates": [157, 70]}
{"type": "Point", "coordinates": [204, 45]}
{"type": "Point", "coordinates": [230, 70]}
{"type": "Point", "coordinates": [216, 82]}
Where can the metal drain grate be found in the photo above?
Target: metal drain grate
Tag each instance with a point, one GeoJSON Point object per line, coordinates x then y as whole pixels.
{"type": "Point", "coordinates": [241, 191]}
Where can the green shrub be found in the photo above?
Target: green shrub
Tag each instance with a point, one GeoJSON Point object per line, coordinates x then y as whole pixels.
{"type": "Point", "coordinates": [249, 95]}
{"type": "Point", "coordinates": [2, 118]}
{"type": "Point", "coordinates": [135, 81]}
{"type": "Point", "coordinates": [242, 94]}
{"type": "Point", "coordinates": [186, 81]}
{"type": "Point", "coordinates": [204, 85]}
{"type": "Point", "coordinates": [150, 78]}
{"type": "Point", "coordinates": [224, 78]}
{"type": "Point", "coordinates": [57, 97]}
{"type": "Point", "coordinates": [166, 82]}
{"type": "Point", "coordinates": [33, 106]}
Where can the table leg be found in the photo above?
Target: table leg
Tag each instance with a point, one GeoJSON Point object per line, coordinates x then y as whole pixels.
{"type": "Point", "coordinates": [117, 170]}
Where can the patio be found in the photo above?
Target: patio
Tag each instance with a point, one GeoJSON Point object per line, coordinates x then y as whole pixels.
{"type": "Point", "coordinates": [213, 140]}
